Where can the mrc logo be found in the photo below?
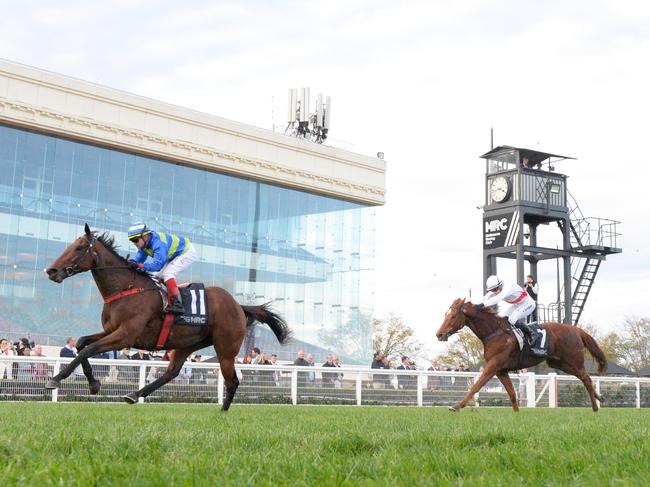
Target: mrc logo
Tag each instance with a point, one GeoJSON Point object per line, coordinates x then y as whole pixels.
{"type": "Point", "coordinates": [497, 225]}
{"type": "Point", "coordinates": [500, 230]}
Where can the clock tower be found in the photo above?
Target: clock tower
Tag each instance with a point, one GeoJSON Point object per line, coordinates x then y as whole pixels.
{"type": "Point", "coordinates": [523, 192]}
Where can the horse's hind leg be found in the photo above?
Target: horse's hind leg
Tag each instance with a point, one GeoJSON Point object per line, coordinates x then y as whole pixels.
{"type": "Point", "coordinates": [586, 380]}
{"type": "Point", "coordinates": [507, 383]}
{"type": "Point", "coordinates": [231, 381]}
{"type": "Point", "coordinates": [582, 374]}
{"type": "Point", "coordinates": [176, 360]}
{"type": "Point", "coordinates": [83, 342]}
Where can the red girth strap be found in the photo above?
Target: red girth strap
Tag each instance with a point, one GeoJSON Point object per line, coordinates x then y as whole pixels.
{"type": "Point", "coordinates": [121, 294]}
{"type": "Point", "coordinates": [164, 330]}
{"type": "Point", "coordinates": [167, 321]}
{"type": "Point", "coordinates": [519, 298]}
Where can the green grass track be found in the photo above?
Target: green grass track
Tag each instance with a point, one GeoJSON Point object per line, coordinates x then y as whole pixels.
{"type": "Point", "coordinates": [174, 444]}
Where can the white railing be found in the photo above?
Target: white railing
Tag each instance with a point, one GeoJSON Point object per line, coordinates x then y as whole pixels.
{"type": "Point", "coordinates": [23, 378]}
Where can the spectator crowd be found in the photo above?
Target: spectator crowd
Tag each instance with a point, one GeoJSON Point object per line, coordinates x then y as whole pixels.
{"type": "Point", "coordinates": [327, 375]}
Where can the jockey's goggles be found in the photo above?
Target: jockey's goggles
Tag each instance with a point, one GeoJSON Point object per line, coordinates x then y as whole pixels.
{"type": "Point", "coordinates": [135, 239]}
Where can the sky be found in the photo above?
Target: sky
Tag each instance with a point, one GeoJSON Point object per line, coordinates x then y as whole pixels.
{"type": "Point", "coordinates": [421, 81]}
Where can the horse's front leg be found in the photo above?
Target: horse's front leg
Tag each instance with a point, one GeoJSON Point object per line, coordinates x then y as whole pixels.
{"type": "Point", "coordinates": [82, 343]}
{"type": "Point", "coordinates": [488, 373]}
{"type": "Point", "coordinates": [113, 341]}
{"type": "Point", "coordinates": [510, 389]}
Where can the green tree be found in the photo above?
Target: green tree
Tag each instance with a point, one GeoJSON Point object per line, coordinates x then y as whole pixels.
{"type": "Point", "coordinates": [394, 338]}
{"type": "Point", "coordinates": [466, 347]}
{"type": "Point", "coordinates": [635, 346]}
{"type": "Point", "coordinates": [630, 347]}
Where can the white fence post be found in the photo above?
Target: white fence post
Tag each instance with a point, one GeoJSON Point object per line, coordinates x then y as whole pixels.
{"type": "Point", "coordinates": [220, 384]}
{"type": "Point", "coordinates": [477, 399]}
{"type": "Point", "coordinates": [294, 386]}
{"type": "Point", "coordinates": [530, 390]}
{"type": "Point", "coordinates": [552, 390]}
{"type": "Point", "coordinates": [353, 385]}
{"type": "Point", "coordinates": [57, 369]}
{"type": "Point", "coordinates": [141, 381]}
{"type": "Point", "coordinates": [358, 388]}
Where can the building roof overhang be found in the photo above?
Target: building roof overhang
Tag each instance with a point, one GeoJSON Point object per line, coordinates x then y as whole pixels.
{"type": "Point", "coordinates": [51, 103]}
{"type": "Point", "coordinates": [534, 156]}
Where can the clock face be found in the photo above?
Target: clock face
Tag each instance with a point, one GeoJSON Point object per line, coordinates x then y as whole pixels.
{"type": "Point", "coordinates": [500, 189]}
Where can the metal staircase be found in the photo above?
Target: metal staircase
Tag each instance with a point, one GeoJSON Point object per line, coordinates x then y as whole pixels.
{"type": "Point", "coordinates": [583, 287]}
{"type": "Point", "coordinates": [595, 238]}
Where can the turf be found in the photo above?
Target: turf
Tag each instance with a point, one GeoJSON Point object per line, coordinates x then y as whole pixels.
{"type": "Point", "coordinates": [172, 444]}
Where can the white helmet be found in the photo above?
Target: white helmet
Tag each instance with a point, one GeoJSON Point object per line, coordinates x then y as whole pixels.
{"type": "Point", "coordinates": [493, 282]}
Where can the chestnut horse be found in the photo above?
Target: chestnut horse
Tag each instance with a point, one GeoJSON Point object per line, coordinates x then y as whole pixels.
{"type": "Point", "coordinates": [135, 320]}
{"type": "Point", "coordinates": [501, 352]}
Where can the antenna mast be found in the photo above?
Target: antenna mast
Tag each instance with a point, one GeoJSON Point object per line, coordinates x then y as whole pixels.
{"type": "Point", "coordinates": [303, 124]}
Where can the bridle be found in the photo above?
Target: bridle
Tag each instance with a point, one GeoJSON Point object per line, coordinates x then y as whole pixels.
{"type": "Point", "coordinates": [460, 310]}
{"type": "Point", "coordinates": [72, 269]}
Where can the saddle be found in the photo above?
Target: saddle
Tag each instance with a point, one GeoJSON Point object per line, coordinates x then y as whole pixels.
{"type": "Point", "coordinates": [538, 346]}
{"type": "Point", "coordinates": [193, 298]}
{"type": "Point", "coordinates": [196, 309]}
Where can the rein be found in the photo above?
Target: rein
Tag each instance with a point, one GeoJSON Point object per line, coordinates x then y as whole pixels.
{"type": "Point", "coordinates": [496, 332]}
{"type": "Point", "coordinates": [129, 291]}
{"type": "Point", "coordinates": [487, 337]}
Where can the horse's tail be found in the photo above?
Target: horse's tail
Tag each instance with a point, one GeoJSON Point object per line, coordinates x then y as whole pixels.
{"type": "Point", "coordinates": [263, 314]}
{"type": "Point", "coordinates": [595, 351]}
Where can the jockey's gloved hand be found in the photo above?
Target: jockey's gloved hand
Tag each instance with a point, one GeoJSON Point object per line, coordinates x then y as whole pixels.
{"type": "Point", "coordinates": [480, 306]}
{"type": "Point", "coordinates": [135, 265]}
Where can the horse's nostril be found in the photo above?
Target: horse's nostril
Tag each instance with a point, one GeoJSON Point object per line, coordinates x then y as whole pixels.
{"type": "Point", "coordinates": [51, 271]}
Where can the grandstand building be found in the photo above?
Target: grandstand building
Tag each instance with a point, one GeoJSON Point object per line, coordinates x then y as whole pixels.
{"type": "Point", "coordinates": [273, 218]}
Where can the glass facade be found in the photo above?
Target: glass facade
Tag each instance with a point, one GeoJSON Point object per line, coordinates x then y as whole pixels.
{"type": "Point", "coordinates": [311, 255]}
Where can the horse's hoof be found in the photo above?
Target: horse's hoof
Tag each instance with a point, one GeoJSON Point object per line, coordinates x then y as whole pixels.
{"type": "Point", "coordinates": [52, 384]}
{"type": "Point", "coordinates": [453, 409]}
{"type": "Point", "coordinates": [95, 386]}
{"type": "Point", "coordinates": [130, 398]}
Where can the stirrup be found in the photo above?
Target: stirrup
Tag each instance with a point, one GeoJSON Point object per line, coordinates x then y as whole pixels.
{"type": "Point", "coordinates": [176, 307]}
{"type": "Point", "coordinates": [523, 327]}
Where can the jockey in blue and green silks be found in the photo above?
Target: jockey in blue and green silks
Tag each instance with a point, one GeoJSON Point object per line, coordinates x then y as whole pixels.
{"type": "Point", "coordinates": [169, 254]}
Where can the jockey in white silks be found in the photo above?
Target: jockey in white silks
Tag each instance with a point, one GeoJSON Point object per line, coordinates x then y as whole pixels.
{"type": "Point", "coordinates": [520, 303]}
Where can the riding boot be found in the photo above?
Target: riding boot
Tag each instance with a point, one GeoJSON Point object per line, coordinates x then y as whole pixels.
{"type": "Point", "coordinates": [537, 352]}
{"type": "Point", "coordinates": [176, 304]}
{"type": "Point", "coordinates": [528, 335]}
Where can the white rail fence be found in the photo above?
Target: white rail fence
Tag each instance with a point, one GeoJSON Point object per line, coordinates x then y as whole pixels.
{"type": "Point", "coordinates": [23, 379]}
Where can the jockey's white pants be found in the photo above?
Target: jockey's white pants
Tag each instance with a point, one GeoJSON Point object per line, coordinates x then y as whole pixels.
{"type": "Point", "coordinates": [515, 312]}
{"type": "Point", "coordinates": [174, 267]}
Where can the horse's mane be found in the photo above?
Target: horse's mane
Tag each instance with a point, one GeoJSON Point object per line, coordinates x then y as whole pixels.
{"type": "Point", "coordinates": [502, 322]}
{"type": "Point", "coordinates": [108, 241]}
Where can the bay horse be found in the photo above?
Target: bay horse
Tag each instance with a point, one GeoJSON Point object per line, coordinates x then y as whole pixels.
{"type": "Point", "coordinates": [567, 345]}
{"type": "Point", "coordinates": [135, 318]}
